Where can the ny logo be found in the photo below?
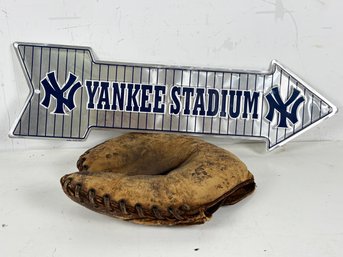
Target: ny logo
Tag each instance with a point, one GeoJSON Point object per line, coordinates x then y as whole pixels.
{"type": "Point", "coordinates": [52, 89]}
{"type": "Point", "coordinates": [276, 104]}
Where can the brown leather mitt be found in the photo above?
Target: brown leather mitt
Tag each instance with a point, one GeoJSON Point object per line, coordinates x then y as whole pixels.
{"type": "Point", "coordinates": [158, 179]}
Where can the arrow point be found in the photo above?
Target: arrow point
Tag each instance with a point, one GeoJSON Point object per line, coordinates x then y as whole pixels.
{"type": "Point", "coordinates": [274, 64]}
{"type": "Point", "coordinates": [314, 109]}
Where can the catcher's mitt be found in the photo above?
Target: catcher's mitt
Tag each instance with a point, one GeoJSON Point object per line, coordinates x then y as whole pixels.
{"type": "Point", "coordinates": [158, 179]}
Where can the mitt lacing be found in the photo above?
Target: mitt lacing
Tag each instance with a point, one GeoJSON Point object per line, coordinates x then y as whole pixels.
{"type": "Point", "coordinates": [156, 213]}
{"type": "Point", "coordinates": [91, 197]}
{"type": "Point", "coordinates": [77, 190]}
{"type": "Point", "coordinates": [107, 203]}
{"type": "Point", "coordinates": [122, 206]}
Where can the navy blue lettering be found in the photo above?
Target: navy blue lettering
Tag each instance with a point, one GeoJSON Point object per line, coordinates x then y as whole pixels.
{"type": "Point", "coordinates": [92, 87]}
{"type": "Point", "coordinates": [158, 106]}
{"type": "Point", "coordinates": [187, 92]}
{"type": "Point", "coordinates": [235, 113]}
{"type": "Point", "coordinates": [224, 100]}
{"type": "Point", "coordinates": [146, 90]}
{"type": "Point", "coordinates": [249, 103]}
{"type": "Point", "coordinates": [104, 101]}
{"type": "Point", "coordinates": [132, 103]}
{"type": "Point", "coordinates": [199, 102]}
{"type": "Point", "coordinates": [175, 97]}
{"type": "Point", "coordinates": [213, 102]}
{"type": "Point", "coordinates": [118, 96]}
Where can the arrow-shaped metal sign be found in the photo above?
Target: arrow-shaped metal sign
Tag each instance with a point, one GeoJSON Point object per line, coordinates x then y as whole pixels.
{"type": "Point", "coordinates": [71, 92]}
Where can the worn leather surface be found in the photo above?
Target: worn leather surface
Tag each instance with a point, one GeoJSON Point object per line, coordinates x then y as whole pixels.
{"type": "Point", "coordinates": [158, 179]}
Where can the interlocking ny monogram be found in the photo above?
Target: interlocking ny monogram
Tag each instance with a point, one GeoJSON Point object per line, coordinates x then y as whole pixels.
{"type": "Point", "coordinates": [52, 89]}
{"type": "Point", "coordinates": [276, 104]}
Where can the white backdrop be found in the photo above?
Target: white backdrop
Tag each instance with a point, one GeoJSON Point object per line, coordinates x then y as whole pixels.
{"type": "Point", "coordinates": [297, 207]}
{"type": "Point", "coordinates": [306, 36]}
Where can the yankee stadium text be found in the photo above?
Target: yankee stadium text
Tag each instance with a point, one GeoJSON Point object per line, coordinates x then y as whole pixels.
{"type": "Point", "coordinates": [194, 101]}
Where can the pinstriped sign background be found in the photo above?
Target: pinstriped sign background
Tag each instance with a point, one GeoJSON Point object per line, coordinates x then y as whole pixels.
{"type": "Point", "coordinates": [37, 121]}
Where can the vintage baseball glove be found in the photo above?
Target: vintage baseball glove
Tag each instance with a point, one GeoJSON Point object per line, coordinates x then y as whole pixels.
{"type": "Point", "coordinates": [158, 179]}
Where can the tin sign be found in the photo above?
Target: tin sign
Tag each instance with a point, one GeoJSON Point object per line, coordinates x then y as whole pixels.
{"type": "Point", "coordinates": [71, 92]}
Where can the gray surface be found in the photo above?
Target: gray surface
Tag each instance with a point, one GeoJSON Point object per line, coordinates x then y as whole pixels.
{"type": "Point", "coordinates": [296, 210]}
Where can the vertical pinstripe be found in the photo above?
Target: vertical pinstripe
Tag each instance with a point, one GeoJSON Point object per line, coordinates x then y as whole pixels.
{"type": "Point", "coordinates": [33, 122]}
